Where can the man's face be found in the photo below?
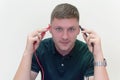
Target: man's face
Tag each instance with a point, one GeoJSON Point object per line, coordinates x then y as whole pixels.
{"type": "Point", "coordinates": [64, 33]}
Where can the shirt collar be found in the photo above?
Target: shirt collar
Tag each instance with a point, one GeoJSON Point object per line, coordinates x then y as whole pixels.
{"type": "Point", "coordinates": [54, 51]}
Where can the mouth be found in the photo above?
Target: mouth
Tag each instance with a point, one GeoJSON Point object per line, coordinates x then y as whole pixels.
{"type": "Point", "coordinates": [65, 43]}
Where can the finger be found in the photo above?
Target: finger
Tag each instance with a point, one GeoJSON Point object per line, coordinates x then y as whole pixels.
{"type": "Point", "coordinates": [41, 30]}
{"type": "Point", "coordinates": [91, 41]}
{"type": "Point", "coordinates": [38, 33]}
{"type": "Point", "coordinates": [91, 36]}
{"type": "Point", "coordinates": [36, 40]}
{"type": "Point", "coordinates": [85, 38]}
{"type": "Point", "coordinates": [33, 34]}
{"type": "Point", "coordinates": [44, 30]}
{"type": "Point", "coordinates": [88, 31]}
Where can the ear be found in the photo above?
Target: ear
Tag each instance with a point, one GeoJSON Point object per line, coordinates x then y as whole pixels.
{"type": "Point", "coordinates": [78, 31]}
{"type": "Point", "coordinates": [50, 28]}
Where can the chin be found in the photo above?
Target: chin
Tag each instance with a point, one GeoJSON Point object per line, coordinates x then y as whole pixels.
{"type": "Point", "coordinates": [64, 49]}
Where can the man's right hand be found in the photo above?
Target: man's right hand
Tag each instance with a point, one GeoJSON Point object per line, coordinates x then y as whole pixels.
{"type": "Point", "coordinates": [33, 40]}
{"type": "Point", "coordinates": [24, 69]}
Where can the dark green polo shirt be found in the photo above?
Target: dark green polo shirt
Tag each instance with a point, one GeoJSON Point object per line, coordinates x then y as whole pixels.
{"type": "Point", "coordinates": [74, 66]}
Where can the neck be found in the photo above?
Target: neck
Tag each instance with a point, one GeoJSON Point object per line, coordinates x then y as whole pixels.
{"type": "Point", "coordinates": [64, 52]}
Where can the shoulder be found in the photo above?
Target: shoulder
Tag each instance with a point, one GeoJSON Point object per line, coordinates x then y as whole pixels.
{"type": "Point", "coordinates": [46, 42]}
{"type": "Point", "coordinates": [83, 49]}
{"type": "Point", "coordinates": [45, 45]}
{"type": "Point", "coordinates": [80, 45]}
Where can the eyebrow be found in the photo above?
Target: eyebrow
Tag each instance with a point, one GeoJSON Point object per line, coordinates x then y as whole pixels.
{"type": "Point", "coordinates": [63, 27]}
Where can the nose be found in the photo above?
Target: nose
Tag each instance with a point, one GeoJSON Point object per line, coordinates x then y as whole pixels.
{"type": "Point", "coordinates": [65, 35]}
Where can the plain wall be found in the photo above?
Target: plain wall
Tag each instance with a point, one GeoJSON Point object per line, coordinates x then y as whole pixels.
{"type": "Point", "coordinates": [20, 17]}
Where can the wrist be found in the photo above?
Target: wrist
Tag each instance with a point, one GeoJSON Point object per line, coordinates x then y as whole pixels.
{"type": "Point", "coordinates": [99, 60]}
{"type": "Point", "coordinates": [98, 56]}
{"type": "Point", "coordinates": [100, 63]}
{"type": "Point", "coordinates": [28, 53]}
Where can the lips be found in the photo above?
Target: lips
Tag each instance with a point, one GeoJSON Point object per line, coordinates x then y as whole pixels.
{"type": "Point", "coordinates": [64, 42]}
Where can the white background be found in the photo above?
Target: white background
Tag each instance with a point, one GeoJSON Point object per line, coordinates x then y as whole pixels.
{"type": "Point", "coordinates": [20, 17]}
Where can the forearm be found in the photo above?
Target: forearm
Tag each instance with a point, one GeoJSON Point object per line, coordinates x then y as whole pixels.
{"type": "Point", "coordinates": [24, 69]}
{"type": "Point", "coordinates": [100, 72]}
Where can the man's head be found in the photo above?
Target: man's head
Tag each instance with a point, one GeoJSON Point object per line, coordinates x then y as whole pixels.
{"type": "Point", "coordinates": [65, 10]}
{"type": "Point", "coordinates": [64, 27]}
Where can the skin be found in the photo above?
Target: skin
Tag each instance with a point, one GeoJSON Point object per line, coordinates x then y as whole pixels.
{"type": "Point", "coordinates": [64, 33]}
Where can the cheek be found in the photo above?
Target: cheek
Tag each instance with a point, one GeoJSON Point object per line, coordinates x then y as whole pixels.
{"type": "Point", "coordinates": [55, 35]}
{"type": "Point", "coordinates": [73, 35]}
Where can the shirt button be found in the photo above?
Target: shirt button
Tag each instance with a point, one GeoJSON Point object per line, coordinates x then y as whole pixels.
{"type": "Point", "coordinates": [62, 64]}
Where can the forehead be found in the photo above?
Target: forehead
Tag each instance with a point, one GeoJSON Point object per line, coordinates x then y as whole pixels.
{"type": "Point", "coordinates": [65, 22]}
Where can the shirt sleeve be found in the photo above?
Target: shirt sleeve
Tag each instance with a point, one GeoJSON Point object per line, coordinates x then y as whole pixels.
{"type": "Point", "coordinates": [34, 66]}
{"type": "Point", "coordinates": [40, 53]}
{"type": "Point", "coordinates": [90, 67]}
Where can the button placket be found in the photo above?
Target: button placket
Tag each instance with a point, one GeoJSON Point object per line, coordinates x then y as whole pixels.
{"type": "Point", "coordinates": [62, 64]}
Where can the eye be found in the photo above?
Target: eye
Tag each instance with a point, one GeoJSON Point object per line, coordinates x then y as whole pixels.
{"type": "Point", "coordinates": [58, 29]}
{"type": "Point", "coordinates": [71, 29]}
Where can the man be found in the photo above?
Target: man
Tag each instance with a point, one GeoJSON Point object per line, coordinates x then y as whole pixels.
{"type": "Point", "coordinates": [63, 57]}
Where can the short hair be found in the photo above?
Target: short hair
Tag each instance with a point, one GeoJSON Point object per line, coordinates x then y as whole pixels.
{"type": "Point", "coordinates": [65, 10]}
